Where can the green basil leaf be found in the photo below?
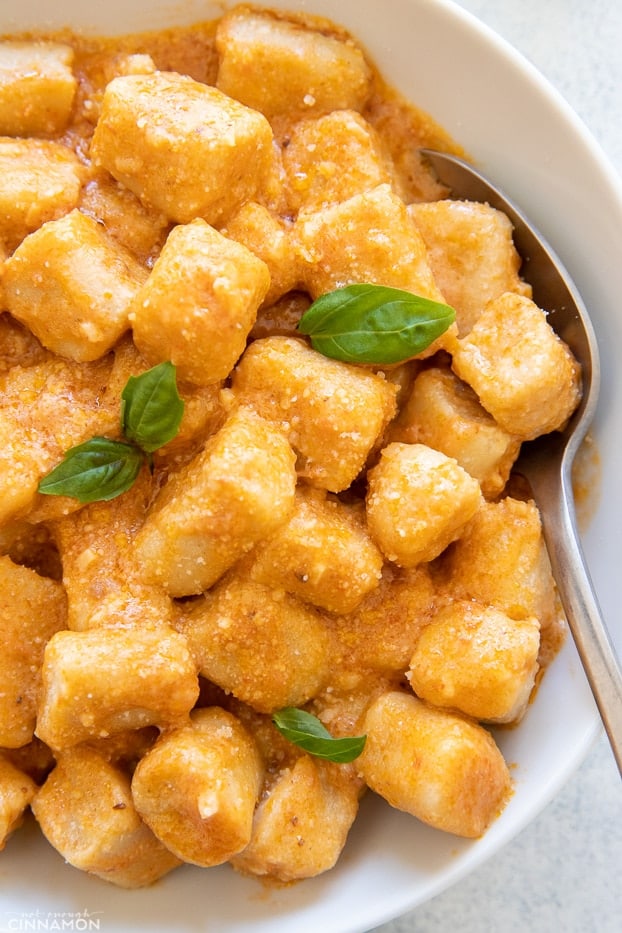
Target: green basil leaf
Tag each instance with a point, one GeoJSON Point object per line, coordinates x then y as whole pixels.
{"type": "Point", "coordinates": [367, 323]}
{"type": "Point", "coordinates": [97, 470]}
{"type": "Point", "coordinates": [151, 409]}
{"type": "Point", "coordinates": [307, 732]}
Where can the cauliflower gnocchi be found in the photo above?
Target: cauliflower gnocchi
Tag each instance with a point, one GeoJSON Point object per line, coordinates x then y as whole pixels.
{"type": "Point", "coordinates": [341, 539]}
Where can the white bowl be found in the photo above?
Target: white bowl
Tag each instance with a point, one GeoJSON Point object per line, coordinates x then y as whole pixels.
{"type": "Point", "coordinates": [524, 135]}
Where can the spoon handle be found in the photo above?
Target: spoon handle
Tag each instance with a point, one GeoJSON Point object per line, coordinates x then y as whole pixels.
{"type": "Point", "coordinates": [594, 645]}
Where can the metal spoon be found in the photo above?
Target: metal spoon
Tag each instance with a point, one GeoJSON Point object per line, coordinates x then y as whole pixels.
{"type": "Point", "coordinates": [546, 463]}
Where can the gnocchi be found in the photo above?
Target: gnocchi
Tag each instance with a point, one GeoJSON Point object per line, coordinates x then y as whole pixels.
{"type": "Point", "coordinates": [344, 538]}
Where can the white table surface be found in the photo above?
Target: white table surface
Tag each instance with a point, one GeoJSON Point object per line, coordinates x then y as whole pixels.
{"type": "Point", "coordinates": [562, 873]}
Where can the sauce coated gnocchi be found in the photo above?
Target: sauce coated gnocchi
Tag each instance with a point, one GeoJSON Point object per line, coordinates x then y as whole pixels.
{"type": "Point", "coordinates": [341, 538]}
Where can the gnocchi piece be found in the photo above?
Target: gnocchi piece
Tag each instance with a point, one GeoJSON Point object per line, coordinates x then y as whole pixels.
{"type": "Point", "coordinates": [303, 70]}
{"type": "Point", "coordinates": [267, 236]}
{"type": "Point", "coordinates": [477, 660]}
{"type": "Point", "coordinates": [44, 410]}
{"type": "Point", "coordinates": [37, 87]}
{"type": "Point", "coordinates": [40, 181]}
{"type": "Point", "coordinates": [199, 303]}
{"type": "Point", "coordinates": [523, 374]}
{"type": "Point", "coordinates": [381, 634]}
{"type": "Point", "coordinates": [332, 413]}
{"type": "Point", "coordinates": [264, 646]}
{"type": "Point", "coordinates": [238, 490]}
{"type": "Point", "coordinates": [86, 812]}
{"type": "Point", "coordinates": [382, 246]}
{"type": "Point", "coordinates": [32, 609]}
{"type": "Point", "coordinates": [501, 561]}
{"type": "Point", "coordinates": [472, 255]}
{"type": "Point", "coordinates": [104, 681]}
{"type": "Point", "coordinates": [17, 791]}
{"type": "Point", "coordinates": [418, 502]}
{"type": "Point", "coordinates": [72, 284]}
{"type": "Point", "coordinates": [127, 63]}
{"type": "Point", "coordinates": [436, 765]}
{"type": "Point", "coordinates": [444, 413]}
{"type": "Point", "coordinates": [302, 823]}
{"type": "Point", "coordinates": [329, 159]}
{"type": "Point", "coordinates": [103, 582]}
{"type": "Point", "coordinates": [198, 786]}
{"type": "Point", "coordinates": [187, 149]}
{"type": "Point", "coordinates": [323, 554]}
{"type": "Point", "coordinates": [124, 217]}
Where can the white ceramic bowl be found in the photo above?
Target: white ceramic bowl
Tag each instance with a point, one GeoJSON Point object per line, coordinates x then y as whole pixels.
{"type": "Point", "coordinates": [522, 133]}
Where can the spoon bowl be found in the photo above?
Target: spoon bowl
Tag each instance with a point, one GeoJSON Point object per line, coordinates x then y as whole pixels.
{"type": "Point", "coordinates": [546, 463]}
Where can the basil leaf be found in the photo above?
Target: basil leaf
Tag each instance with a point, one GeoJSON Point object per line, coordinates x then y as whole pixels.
{"type": "Point", "coordinates": [307, 732]}
{"type": "Point", "coordinates": [151, 409]}
{"type": "Point", "coordinates": [367, 323]}
{"type": "Point", "coordinates": [97, 470]}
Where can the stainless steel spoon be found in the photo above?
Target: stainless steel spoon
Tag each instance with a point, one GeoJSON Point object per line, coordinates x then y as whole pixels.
{"type": "Point", "coordinates": [546, 463]}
